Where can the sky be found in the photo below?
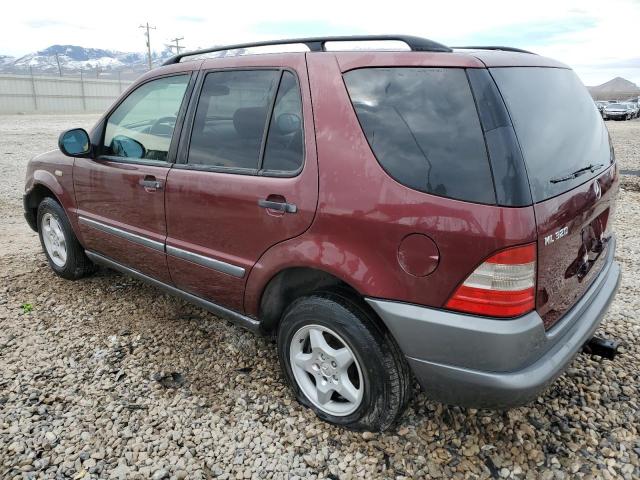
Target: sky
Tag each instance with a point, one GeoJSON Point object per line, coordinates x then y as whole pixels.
{"type": "Point", "coordinates": [599, 39]}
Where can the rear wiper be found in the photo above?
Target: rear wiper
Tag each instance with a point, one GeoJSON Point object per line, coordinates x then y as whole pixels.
{"type": "Point", "coordinates": [590, 168]}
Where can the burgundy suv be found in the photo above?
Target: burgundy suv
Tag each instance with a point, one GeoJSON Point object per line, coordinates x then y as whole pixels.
{"type": "Point", "coordinates": [442, 213]}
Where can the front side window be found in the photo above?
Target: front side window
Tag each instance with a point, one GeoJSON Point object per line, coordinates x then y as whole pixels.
{"type": "Point", "coordinates": [423, 127]}
{"type": "Point", "coordinates": [142, 125]}
{"type": "Point", "coordinates": [230, 119]}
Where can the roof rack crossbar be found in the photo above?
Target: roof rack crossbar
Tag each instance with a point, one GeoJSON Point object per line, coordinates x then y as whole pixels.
{"type": "Point", "coordinates": [494, 47]}
{"type": "Point", "coordinates": [317, 44]}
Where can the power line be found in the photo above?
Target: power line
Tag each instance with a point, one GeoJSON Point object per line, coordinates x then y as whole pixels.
{"type": "Point", "coordinates": [147, 27]}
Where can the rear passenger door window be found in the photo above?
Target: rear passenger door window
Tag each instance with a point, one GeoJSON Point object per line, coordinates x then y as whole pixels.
{"type": "Point", "coordinates": [231, 119]}
{"type": "Point", "coordinates": [248, 121]}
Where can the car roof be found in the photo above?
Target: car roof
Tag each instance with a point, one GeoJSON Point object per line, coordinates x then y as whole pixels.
{"type": "Point", "coordinates": [465, 58]}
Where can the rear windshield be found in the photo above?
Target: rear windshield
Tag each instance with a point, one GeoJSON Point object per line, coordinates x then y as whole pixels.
{"type": "Point", "coordinates": [563, 138]}
{"type": "Point", "coordinates": [423, 127]}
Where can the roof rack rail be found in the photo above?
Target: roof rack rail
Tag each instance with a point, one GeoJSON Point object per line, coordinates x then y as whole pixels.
{"type": "Point", "coordinates": [317, 44]}
{"type": "Point", "coordinates": [494, 47]}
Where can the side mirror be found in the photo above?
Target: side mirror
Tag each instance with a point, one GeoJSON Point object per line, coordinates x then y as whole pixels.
{"type": "Point", "coordinates": [75, 143]}
{"type": "Point", "coordinates": [123, 146]}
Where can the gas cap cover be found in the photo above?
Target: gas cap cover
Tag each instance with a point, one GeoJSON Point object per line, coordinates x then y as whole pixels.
{"type": "Point", "coordinates": [418, 255]}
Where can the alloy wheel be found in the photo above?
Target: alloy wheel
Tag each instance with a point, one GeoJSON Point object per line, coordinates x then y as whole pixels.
{"type": "Point", "coordinates": [326, 370]}
{"type": "Point", "coordinates": [54, 240]}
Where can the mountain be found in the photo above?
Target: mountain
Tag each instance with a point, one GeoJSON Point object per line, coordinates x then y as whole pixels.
{"type": "Point", "coordinates": [6, 59]}
{"type": "Point", "coordinates": [73, 58]}
{"type": "Point", "coordinates": [617, 88]}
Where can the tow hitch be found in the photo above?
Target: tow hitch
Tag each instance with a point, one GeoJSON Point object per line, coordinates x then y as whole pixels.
{"type": "Point", "coordinates": [601, 347]}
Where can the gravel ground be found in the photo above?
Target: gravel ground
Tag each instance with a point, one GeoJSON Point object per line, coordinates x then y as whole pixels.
{"type": "Point", "coordinates": [110, 378]}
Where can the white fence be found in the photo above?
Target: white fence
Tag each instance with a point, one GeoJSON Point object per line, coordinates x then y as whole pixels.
{"type": "Point", "coordinates": [38, 94]}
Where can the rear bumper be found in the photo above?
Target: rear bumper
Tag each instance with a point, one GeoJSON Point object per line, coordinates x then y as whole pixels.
{"type": "Point", "coordinates": [487, 363]}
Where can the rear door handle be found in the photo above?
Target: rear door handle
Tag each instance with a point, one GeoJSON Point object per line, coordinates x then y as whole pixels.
{"type": "Point", "coordinates": [279, 206]}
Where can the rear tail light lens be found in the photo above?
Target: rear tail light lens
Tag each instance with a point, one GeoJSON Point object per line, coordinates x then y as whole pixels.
{"type": "Point", "coordinates": [502, 286]}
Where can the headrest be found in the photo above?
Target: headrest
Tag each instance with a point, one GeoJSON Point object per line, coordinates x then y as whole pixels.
{"type": "Point", "coordinates": [249, 121]}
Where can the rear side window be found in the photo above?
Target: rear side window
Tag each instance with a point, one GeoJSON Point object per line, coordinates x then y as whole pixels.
{"type": "Point", "coordinates": [284, 150]}
{"type": "Point", "coordinates": [423, 127]}
{"type": "Point", "coordinates": [231, 118]}
{"type": "Point", "coordinates": [563, 138]}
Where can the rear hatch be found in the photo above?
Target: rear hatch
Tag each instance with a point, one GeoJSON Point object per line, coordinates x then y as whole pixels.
{"type": "Point", "coordinates": [573, 179]}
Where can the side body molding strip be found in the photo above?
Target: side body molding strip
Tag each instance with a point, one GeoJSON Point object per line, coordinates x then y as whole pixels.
{"type": "Point", "coordinates": [235, 317]}
{"type": "Point", "coordinates": [135, 238]}
{"type": "Point", "coordinates": [206, 261]}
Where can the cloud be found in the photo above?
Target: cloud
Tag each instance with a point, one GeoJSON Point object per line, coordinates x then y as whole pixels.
{"type": "Point", "coordinates": [192, 19]}
{"type": "Point", "coordinates": [48, 23]}
{"type": "Point", "coordinates": [302, 28]}
{"type": "Point", "coordinates": [625, 63]}
{"type": "Point", "coordinates": [531, 34]}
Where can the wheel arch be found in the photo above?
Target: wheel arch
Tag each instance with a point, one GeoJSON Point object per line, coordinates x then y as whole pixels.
{"type": "Point", "coordinates": [32, 200]}
{"type": "Point", "coordinates": [292, 283]}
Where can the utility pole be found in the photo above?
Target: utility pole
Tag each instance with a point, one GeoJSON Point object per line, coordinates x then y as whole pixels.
{"type": "Point", "coordinates": [177, 45]}
{"type": "Point", "coordinates": [147, 27]}
{"type": "Point", "coordinates": [59, 68]}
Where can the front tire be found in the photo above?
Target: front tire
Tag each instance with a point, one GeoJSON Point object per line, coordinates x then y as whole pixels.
{"type": "Point", "coordinates": [64, 253]}
{"type": "Point", "coordinates": [342, 364]}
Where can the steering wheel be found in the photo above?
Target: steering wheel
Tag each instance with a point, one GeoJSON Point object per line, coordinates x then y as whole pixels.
{"type": "Point", "coordinates": [166, 121]}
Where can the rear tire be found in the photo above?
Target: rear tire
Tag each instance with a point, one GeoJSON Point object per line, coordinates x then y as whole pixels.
{"type": "Point", "coordinates": [377, 382]}
{"type": "Point", "coordinates": [64, 253]}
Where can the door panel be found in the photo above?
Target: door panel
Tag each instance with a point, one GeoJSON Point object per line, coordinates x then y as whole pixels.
{"type": "Point", "coordinates": [216, 215]}
{"type": "Point", "coordinates": [214, 206]}
{"type": "Point", "coordinates": [109, 194]}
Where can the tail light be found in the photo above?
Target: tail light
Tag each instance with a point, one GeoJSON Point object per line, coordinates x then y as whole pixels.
{"type": "Point", "coordinates": [502, 286]}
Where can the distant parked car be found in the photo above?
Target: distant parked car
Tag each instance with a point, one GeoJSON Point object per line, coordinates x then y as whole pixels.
{"type": "Point", "coordinates": [634, 108]}
{"type": "Point", "coordinates": [617, 111]}
{"type": "Point", "coordinates": [600, 105]}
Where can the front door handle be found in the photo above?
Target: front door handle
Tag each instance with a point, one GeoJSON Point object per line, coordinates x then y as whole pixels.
{"type": "Point", "coordinates": [150, 183]}
{"type": "Point", "coordinates": [279, 206]}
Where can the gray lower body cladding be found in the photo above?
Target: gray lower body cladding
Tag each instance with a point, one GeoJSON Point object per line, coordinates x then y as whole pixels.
{"type": "Point", "coordinates": [490, 363]}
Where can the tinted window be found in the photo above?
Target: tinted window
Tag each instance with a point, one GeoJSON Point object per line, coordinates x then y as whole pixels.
{"type": "Point", "coordinates": [284, 150]}
{"type": "Point", "coordinates": [559, 128]}
{"type": "Point", "coordinates": [423, 127]}
{"type": "Point", "coordinates": [231, 117]}
{"type": "Point", "coordinates": [143, 124]}
{"type": "Point", "coordinates": [507, 165]}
